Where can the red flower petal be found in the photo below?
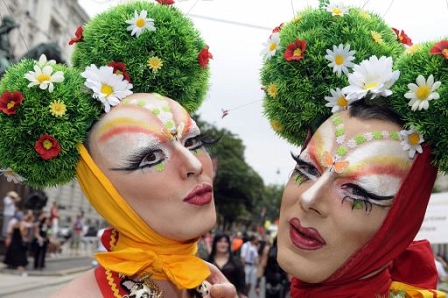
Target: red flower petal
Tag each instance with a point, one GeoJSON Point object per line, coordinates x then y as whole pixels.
{"type": "Point", "coordinates": [295, 50]}
{"type": "Point", "coordinates": [278, 28]}
{"type": "Point", "coordinates": [47, 147]}
{"type": "Point", "coordinates": [204, 56]}
{"type": "Point", "coordinates": [120, 68]}
{"type": "Point", "coordinates": [9, 101]}
{"type": "Point", "coordinates": [78, 36]}
{"type": "Point", "coordinates": [440, 48]}
{"type": "Point", "coordinates": [402, 37]}
{"type": "Point", "coordinates": [165, 2]}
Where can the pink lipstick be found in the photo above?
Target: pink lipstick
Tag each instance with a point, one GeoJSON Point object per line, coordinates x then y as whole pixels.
{"type": "Point", "coordinates": [200, 195]}
{"type": "Point", "coordinates": [304, 238]}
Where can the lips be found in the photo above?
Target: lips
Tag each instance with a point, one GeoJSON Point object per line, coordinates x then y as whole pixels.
{"type": "Point", "coordinates": [305, 238]}
{"type": "Point", "coordinates": [200, 195]}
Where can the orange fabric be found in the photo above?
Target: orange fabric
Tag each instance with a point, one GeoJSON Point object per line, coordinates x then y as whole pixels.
{"type": "Point", "coordinates": [415, 292]}
{"type": "Point", "coordinates": [139, 249]}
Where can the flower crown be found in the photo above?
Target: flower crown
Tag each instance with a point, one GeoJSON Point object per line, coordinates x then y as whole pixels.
{"type": "Point", "coordinates": [327, 58]}
{"type": "Point", "coordinates": [46, 109]}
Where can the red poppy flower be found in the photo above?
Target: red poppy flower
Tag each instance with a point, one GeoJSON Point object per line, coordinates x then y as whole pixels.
{"type": "Point", "coordinates": [120, 69]}
{"type": "Point", "coordinates": [278, 28]}
{"type": "Point", "coordinates": [47, 147]}
{"type": "Point", "coordinates": [402, 37]}
{"type": "Point", "coordinates": [204, 57]}
{"type": "Point", "coordinates": [9, 101]}
{"type": "Point", "coordinates": [295, 50]}
{"type": "Point", "coordinates": [440, 48]}
{"type": "Point", "coordinates": [78, 36]}
{"type": "Point", "coordinates": [165, 2]}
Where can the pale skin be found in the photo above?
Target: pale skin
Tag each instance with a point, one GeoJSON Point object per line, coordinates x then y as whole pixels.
{"type": "Point", "coordinates": [155, 165]}
{"type": "Point", "coordinates": [339, 212]}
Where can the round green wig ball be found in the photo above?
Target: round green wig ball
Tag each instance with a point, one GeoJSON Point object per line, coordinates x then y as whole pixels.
{"type": "Point", "coordinates": [175, 44]}
{"type": "Point", "coordinates": [432, 122]}
{"type": "Point", "coordinates": [41, 133]}
{"type": "Point", "coordinates": [295, 90]}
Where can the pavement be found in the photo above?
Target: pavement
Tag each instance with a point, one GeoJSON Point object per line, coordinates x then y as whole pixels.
{"type": "Point", "coordinates": [57, 271]}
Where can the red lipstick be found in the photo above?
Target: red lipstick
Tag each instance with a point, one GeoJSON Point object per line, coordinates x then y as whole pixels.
{"type": "Point", "coordinates": [305, 238]}
{"type": "Point", "coordinates": [200, 195]}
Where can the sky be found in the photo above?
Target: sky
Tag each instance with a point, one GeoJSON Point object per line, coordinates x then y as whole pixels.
{"type": "Point", "coordinates": [235, 31]}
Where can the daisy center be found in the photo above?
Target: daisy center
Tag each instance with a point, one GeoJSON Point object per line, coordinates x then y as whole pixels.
{"type": "Point", "coordinates": [140, 23]}
{"type": "Point", "coordinates": [47, 144]}
{"type": "Point", "coordinates": [414, 139]}
{"type": "Point", "coordinates": [423, 92]}
{"type": "Point", "coordinates": [337, 11]}
{"type": "Point", "coordinates": [339, 60]}
{"type": "Point", "coordinates": [10, 105]}
{"type": "Point", "coordinates": [370, 85]}
{"type": "Point", "coordinates": [107, 90]}
{"type": "Point", "coordinates": [272, 47]}
{"type": "Point", "coordinates": [342, 102]}
{"type": "Point", "coordinates": [43, 77]}
{"type": "Point", "coordinates": [297, 52]}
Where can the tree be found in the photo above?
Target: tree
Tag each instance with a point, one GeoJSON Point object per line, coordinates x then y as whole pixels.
{"type": "Point", "coordinates": [237, 186]}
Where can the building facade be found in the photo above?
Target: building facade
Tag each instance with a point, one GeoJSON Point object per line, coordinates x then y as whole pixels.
{"type": "Point", "coordinates": [48, 21]}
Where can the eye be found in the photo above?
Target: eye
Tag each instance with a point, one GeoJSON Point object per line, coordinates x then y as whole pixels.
{"type": "Point", "coordinates": [360, 199]}
{"type": "Point", "coordinates": [152, 158]}
{"type": "Point", "coordinates": [193, 143]}
{"type": "Point", "coordinates": [304, 171]}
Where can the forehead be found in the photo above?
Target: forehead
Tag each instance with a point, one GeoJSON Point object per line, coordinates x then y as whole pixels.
{"type": "Point", "coordinates": [142, 113]}
{"type": "Point", "coordinates": [370, 146]}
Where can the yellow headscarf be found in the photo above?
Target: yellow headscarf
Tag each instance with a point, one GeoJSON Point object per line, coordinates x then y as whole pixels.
{"type": "Point", "coordinates": [139, 249]}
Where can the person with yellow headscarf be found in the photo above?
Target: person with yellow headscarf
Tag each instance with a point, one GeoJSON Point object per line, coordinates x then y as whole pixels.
{"type": "Point", "coordinates": [119, 121]}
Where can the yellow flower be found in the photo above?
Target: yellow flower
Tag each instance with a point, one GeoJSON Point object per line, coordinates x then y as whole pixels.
{"type": "Point", "coordinates": [276, 126]}
{"type": "Point", "coordinates": [58, 108]}
{"type": "Point", "coordinates": [365, 15]}
{"type": "Point", "coordinates": [155, 63]}
{"type": "Point", "coordinates": [412, 49]}
{"type": "Point", "coordinates": [272, 90]}
{"type": "Point", "coordinates": [376, 37]}
{"type": "Point", "coordinates": [297, 18]}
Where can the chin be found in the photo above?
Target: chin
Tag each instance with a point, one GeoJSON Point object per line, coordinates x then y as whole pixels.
{"type": "Point", "coordinates": [300, 267]}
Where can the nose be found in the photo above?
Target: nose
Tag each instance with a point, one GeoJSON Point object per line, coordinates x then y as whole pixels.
{"type": "Point", "coordinates": [190, 164]}
{"type": "Point", "coordinates": [314, 198]}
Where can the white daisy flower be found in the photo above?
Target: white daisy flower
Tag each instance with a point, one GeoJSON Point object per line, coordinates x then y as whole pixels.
{"type": "Point", "coordinates": [421, 93]}
{"type": "Point", "coordinates": [107, 87]}
{"type": "Point", "coordinates": [337, 101]}
{"type": "Point", "coordinates": [368, 136]}
{"type": "Point", "coordinates": [43, 75]}
{"type": "Point", "coordinates": [11, 175]}
{"type": "Point", "coordinates": [43, 61]}
{"type": "Point", "coordinates": [340, 140]}
{"type": "Point", "coordinates": [139, 23]}
{"type": "Point", "coordinates": [338, 9]}
{"type": "Point", "coordinates": [373, 77]}
{"type": "Point", "coordinates": [351, 143]}
{"type": "Point", "coordinates": [270, 46]}
{"type": "Point", "coordinates": [340, 58]}
{"type": "Point", "coordinates": [411, 141]}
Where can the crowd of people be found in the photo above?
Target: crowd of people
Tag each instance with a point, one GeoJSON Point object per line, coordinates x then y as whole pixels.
{"type": "Point", "coordinates": [34, 234]}
{"type": "Point", "coordinates": [247, 260]}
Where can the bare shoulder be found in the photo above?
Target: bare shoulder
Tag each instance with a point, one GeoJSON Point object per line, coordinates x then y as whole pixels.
{"type": "Point", "coordinates": [83, 286]}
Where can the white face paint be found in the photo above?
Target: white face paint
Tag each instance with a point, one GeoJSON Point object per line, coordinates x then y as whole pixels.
{"type": "Point", "coordinates": [338, 197]}
{"type": "Point", "coordinates": [156, 163]}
